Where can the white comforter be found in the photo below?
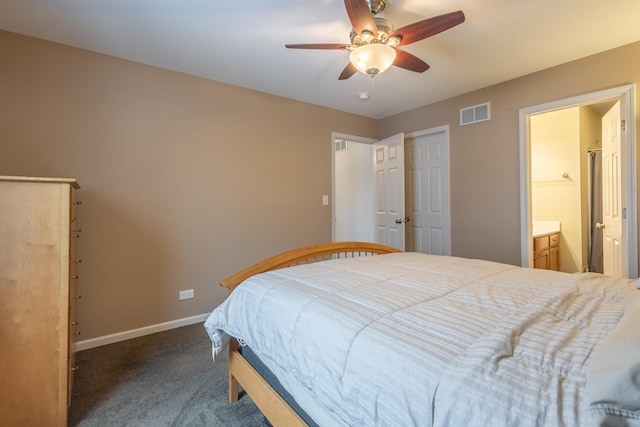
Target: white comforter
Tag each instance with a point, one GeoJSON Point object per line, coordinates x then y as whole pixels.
{"type": "Point", "coordinates": [411, 339]}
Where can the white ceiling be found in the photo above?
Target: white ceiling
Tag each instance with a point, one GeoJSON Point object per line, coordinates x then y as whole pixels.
{"type": "Point", "coordinates": [241, 42]}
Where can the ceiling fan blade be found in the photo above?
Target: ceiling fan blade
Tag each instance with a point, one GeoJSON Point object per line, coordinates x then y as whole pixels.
{"type": "Point", "coordinates": [428, 27]}
{"type": "Point", "coordinates": [331, 46]}
{"type": "Point", "coordinates": [360, 16]}
{"type": "Point", "coordinates": [410, 62]}
{"type": "Point", "coordinates": [348, 71]}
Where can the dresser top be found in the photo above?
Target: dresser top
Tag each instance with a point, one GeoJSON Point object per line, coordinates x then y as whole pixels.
{"type": "Point", "coordinates": [71, 181]}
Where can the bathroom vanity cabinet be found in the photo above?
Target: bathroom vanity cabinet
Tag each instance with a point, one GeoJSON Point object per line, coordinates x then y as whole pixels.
{"type": "Point", "coordinates": [546, 251]}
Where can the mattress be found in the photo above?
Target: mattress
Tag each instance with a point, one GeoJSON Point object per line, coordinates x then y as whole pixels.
{"type": "Point", "coordinates": [413, 339]}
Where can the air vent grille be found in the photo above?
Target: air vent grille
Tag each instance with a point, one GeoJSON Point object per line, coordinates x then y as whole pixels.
{"type": "Point", "coordinates": [341, 145]}
{"type": "Point", "coordinates": [475, 114]}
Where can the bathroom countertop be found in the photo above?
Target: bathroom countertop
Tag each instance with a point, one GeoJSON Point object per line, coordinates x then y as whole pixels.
{"type": "Point", "coordinates": [543, 228]}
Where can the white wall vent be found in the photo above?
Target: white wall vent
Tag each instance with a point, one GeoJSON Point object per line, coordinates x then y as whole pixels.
{"type": "Point", "coordinates": [341, 145]}
{"type": "Point", "coordinates": [475, 114]}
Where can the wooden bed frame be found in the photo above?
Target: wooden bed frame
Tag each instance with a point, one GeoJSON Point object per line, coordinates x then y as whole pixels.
{"type": "Point", "coordinates": [241, 373]}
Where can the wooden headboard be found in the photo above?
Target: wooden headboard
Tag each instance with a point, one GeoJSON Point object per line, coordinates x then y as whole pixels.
{"type": "Point", "coordinates": [306, 254]}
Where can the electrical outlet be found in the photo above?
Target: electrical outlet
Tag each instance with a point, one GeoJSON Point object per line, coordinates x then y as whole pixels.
{"type": "Point", "coordinates": [185, 294]}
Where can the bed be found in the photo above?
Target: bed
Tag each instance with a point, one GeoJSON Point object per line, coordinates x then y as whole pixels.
{"type": "Point", "coordinates": [359, 334]}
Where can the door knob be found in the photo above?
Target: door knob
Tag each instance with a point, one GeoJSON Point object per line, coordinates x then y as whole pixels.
{"type": "Point", "coordinates": [398, 221]}
{"type": "Point", "coordinates": [599, 225]}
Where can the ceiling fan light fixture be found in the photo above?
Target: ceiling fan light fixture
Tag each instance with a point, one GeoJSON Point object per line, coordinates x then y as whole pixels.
{"type": "Point", "coordinates": [372, 59]}
{"type": "Point", "coordinates": [374, 39]}
{"type": "Point", "coordinates": [394, 41]}
{"type": "Point", "coordinates": [367, 35]}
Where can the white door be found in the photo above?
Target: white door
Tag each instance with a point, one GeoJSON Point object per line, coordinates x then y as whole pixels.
{"type": "Point", "coordinates": [428, 230]}
{"type": "Point", "coordinates": [611, 192]}
{"type": "Point", "coordinates": [388, 167]}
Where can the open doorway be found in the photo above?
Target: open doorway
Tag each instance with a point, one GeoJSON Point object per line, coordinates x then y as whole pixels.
{"type": "Point", "coordinates": [426, 225]}
{"type": "Point", "coordinates": [562, 196]}
{"type": "Point", "coordinates": [555, 184]}
{"type": "Point", "coordinates": [352, 188]}
{"type": "Point", "coordinates": [368, 196]}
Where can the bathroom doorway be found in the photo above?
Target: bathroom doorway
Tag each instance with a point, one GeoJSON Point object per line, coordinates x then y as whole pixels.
{"type": "Point", "coordinates": [561, 199]}
{"type": "Point", "coordinates": [555, 185]}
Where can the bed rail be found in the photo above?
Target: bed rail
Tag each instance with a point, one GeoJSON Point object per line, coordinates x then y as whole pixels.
{"type": "Point", "coordinates": [307, 254]}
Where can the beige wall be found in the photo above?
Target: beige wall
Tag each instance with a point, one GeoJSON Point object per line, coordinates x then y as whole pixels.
{"type": "Point", "coordinates": [485, 173]}
{"type": "Point", "coordinates": [184, 180]}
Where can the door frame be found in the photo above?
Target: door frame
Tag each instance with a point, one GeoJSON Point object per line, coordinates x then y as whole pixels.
{"type": "Point", "coordinates": [626, 95]}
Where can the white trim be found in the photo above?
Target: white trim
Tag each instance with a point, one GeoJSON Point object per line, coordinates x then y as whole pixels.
{"type": "Point", "coordinates": [140, 332]}
{"type": "Point", "coordinates": [430, 131]}
{"type": "Point", "coordinates": [626, 95]}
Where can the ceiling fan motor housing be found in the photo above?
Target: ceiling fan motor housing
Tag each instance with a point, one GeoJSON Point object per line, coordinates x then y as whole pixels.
{"type": "Point", "coordinates": [385, 28]}
{"type": "Point", "coordinates": [376, 6]}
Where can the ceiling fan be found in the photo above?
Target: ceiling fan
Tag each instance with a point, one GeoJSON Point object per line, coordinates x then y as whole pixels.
{"type": "Point", "coordinates": [374, 41]}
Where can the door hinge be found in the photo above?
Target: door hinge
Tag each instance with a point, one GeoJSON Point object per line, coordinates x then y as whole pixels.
{"type": "Point", "coordinates": [623, 124]}
{"type": "Point", "coordinates": [624, 213]}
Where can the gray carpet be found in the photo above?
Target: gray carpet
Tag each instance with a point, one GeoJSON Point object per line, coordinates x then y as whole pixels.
{"type": "Point", "coordinates": [164, 379]}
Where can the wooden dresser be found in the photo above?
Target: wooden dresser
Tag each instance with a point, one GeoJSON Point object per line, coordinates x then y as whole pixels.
{"type": "Point", "coordinates": [38, 279]}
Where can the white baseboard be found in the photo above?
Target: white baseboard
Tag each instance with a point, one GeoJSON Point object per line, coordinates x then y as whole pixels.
{"type": "Point", "coordinates": [135, 333]}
